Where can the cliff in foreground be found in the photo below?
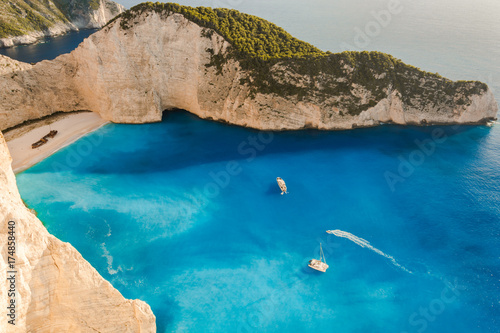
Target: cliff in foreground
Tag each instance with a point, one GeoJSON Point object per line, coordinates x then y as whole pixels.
{"type": "Point", "coordinates": [24, 22]}
{"type": "Point", "coordinates": [56, 289]}
{"type": "Point", "coordinates": [236, 68]}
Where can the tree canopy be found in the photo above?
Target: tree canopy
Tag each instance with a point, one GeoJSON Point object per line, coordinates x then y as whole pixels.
{"type": "Point", "coordinates": [258, 45]}
{"type": "Point", "coordinates": [250, 35]}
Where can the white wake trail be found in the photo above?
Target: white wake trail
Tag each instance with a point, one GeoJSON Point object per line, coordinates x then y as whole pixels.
{"type": "Point", "coordinates": [364, 243]}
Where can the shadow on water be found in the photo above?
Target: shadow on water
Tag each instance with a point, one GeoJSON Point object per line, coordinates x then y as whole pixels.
{"type": "Point", "coordinates": [183, 140]}
{"type": "Point", "coordinates": [253, 228]}
{"type": "Point", "coordinates": [273, 189]}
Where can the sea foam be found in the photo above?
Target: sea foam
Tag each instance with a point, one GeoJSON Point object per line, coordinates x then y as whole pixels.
{"type": "Point", "coordinates": [364, 243]}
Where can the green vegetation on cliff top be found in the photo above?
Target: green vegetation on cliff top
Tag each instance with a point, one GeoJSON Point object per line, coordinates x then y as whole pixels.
{"type": "Point", "coordinates": [250, 35]}
{"type": "Point", "coordinates": [259, 45]}
{"type": "Point", "coordinates": [19, 17]}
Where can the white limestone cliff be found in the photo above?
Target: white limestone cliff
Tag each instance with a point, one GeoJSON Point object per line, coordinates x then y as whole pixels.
{"type": "Point", "coordinates": [133, 75]}
{"type": "Point", "coordinates": [56, 289]}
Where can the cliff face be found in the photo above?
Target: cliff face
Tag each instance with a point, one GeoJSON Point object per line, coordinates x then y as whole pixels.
{"type": "Point", "coordinates": [56, 289]}
{"type": "Point", "coordinates": [163, 60]}
{"type": "Point", "coordinates": [24, 22]}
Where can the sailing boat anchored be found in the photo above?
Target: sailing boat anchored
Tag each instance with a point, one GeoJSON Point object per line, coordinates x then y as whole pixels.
{"type": "Point", "coordinates": [319, 265]}
{"type": "Point", "coordinates": [282, 185]}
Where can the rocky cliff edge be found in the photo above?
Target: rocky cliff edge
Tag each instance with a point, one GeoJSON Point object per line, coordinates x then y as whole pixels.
{"type": "Point", "coordinates": [142, 64]}
{"type": "Point", "coordinates": [56, 290]}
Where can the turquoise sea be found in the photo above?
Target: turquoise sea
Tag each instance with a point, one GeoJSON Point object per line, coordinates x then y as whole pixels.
{"type": "Point", "coordinates": [186, 214]}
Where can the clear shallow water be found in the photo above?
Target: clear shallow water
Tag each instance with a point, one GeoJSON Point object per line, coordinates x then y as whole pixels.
{"type": "Point", "coordinates": [143, 207]}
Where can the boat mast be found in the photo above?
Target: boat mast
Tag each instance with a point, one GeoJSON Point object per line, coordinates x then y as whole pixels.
{"type": "Point", "coordinates": [321, 254]}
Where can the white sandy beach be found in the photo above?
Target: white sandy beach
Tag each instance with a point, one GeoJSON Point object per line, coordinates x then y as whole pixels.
{"type": "Point", "coordinates": [70, 128]}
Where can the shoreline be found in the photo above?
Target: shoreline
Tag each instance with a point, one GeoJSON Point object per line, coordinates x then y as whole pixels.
{"type": "Point", "coordinates": [36, 36]}
{"type": "Point", "coordinates": [34, 39]}
{"type": "Point", "coordinates": [70, 127]}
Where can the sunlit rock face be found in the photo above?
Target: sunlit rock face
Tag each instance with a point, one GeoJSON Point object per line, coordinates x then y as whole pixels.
{"type": "Point", "coordinates": [165, 61]}
{"type": "Point", "coordinates": [56, 290]}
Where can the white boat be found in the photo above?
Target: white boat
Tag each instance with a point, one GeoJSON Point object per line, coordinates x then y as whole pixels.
{"type": "Point", "coordinates": [282, 185]}
{"type": "Point", "coordinates": [319, 265]}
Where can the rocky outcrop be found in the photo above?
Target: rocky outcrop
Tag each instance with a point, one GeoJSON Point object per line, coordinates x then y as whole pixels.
{"type": "Point", "coordinates": [10, 66]}
{"type": "Point", "coordinates": [25, 22]}
{"type": "Point", "coordinates": [130, 73]}
{"type": "Point", "coordinates": [56, 290]}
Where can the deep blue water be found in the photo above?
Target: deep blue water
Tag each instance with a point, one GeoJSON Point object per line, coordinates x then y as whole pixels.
{"type": "Point", "coordinates": [155, 210]}
{"type": "Point", "coordinates": [48, 48]}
